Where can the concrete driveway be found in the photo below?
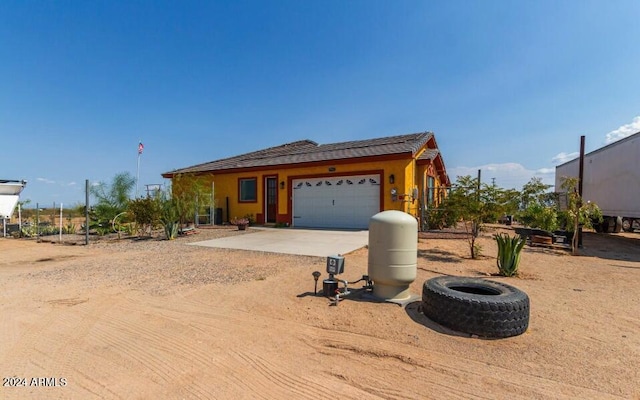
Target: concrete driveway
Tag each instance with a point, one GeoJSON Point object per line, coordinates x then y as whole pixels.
{"type": "Point", "coordinates": [306, 242]}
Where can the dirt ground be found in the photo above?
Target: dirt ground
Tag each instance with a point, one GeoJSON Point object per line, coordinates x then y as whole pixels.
{"type": "Point", "coordinates": [154, 319]}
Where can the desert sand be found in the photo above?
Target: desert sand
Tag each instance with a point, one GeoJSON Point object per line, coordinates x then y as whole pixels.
{"type": "Point", "coordinates": [157, 319]}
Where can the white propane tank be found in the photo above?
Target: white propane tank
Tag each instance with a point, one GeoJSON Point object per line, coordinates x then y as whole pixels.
{"type": "Point", "coordinates": [393, 254]}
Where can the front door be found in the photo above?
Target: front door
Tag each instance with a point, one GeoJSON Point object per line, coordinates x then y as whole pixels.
{"type": "Point", "coordinates": [271, 186]}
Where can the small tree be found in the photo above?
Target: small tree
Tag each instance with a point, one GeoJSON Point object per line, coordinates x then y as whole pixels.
{"type": "Point", "coordinates": [510, 201]}
{"type": "Point", "coordinates": [188, 192]}
{"type": "Point", "coordinates": [474, 205]}
{"type": "Point", "coordinates": [538, 206]}
{"type": "Point", "coordinates": [535, 192]}
{"type": "Point", "coordinates": [578, 213]}
{"type": "Point", "coordinates": [111, 199]}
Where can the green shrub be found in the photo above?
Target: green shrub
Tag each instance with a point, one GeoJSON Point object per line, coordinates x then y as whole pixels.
{"type": "Point", "coordinates": [145, 213]}
{"type": "Point", "coordinates": [540, 216]}
{"type": "Point", "coordinates": [169, 217]}
{"type": "Point", "coordinates": [439, 218]}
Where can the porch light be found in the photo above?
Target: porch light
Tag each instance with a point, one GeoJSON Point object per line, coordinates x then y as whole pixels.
{"type": "Point", "coordinates": [392, 178]}
{"type": "Point", "coordinates": [282, 185]}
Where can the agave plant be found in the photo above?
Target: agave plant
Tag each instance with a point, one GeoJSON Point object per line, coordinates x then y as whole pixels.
{"type": "Point", "coordinates": [170, 229]}
{"type": "Point", "coordinates": [509, 253]}
{"type": "Point", "coordinates": [169, 219]}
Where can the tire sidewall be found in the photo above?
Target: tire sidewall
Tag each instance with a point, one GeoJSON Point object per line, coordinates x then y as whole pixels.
{"type": "Point", "coordinates": [503, 313]}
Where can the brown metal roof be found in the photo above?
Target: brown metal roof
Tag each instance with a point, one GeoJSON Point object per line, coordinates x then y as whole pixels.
{"type": "Point", "coordinates": [429, 154]}
{"type": "Point", "coordinates": [305, 151]}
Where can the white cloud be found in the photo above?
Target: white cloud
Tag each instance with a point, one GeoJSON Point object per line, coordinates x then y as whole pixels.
{"type": "Point", "coordinates": [614, 135]}
{"type": "Point", "coordinates": [624, 131]}
{"type": "Point", "coordinates": [45, 180]}
{"type": "Point", "coordinates": [507, 175]}
{"type": "Point", "coordinates": [71, 184]}
{"type": "Point", "coordinates": [563, 157]}
{"type": "Point", "coordinates": [514, 175]}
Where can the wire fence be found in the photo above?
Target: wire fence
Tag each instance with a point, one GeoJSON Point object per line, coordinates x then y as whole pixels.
{"type": "Point", "coordinates": [35, 222]}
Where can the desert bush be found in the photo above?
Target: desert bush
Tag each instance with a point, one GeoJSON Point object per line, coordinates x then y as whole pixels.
{"type": "Point", "coordinates": [440, 218]}
{"type": "Point", "coordinates": [539, 216]}
{"type": "Point", "coordinates": [145, 212]}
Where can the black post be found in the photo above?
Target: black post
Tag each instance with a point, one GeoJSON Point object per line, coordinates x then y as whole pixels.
{"type": "Point", "coordinates": [228, 217]}
{"type": "Point", "coordinates": [476, 224]}
{"type": "Point", "coordinates": [581, 171]}
{"type": "Point", "coordinates": [580, 178]}
{"type": "Point", "coordinates": [86, 212]}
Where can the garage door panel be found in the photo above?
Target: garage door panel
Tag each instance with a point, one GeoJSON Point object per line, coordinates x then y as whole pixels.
{"type": "Point", "coordinates": [336, 202]}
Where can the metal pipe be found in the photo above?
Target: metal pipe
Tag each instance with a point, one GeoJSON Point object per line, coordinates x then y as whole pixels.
{"type": "Point", "coordinates": [346, 289]}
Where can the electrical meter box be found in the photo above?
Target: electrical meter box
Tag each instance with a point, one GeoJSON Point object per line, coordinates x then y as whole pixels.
{"type": "Point", "coordinates": [335, 265]}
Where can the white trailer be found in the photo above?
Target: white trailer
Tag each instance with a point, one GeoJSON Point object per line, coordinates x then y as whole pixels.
{"type": "Point", "coordinates": [612, 181]}
{"type": "Point", "coordinates": [9, 196]}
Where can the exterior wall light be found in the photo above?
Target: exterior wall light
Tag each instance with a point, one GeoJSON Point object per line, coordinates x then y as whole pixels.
{"type": "Point", "coordinates": [281, 184]}
{"type": "Point", "coordinates": [392, 178]}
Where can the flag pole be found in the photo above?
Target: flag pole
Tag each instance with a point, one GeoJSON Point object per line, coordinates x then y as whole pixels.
{"type": "Point", "coordinates": [137, 175]}
{"type": "Point", "coordinates": [138, 167]}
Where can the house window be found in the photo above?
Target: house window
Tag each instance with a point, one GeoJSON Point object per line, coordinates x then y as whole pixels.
{"type": "Point", "coordinates": [248, 189]}
{"type": "Point", "coordinates": [431, 188]}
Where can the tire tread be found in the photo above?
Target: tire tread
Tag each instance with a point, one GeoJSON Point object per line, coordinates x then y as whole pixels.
{"type": "Point", "coordinates": [493, 316]}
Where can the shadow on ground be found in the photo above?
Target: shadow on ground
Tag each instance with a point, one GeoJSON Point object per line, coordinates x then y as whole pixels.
{"type": "Point", "coordinates": [414, 312]}
{"type": "Point", "coordinates": [611, 247]}
{"type": "Point", "coordinates": [357, 295]}
{"type": "Point", "coordinates": [439, 256]}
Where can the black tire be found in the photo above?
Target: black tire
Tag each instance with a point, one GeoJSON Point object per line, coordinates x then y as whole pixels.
{"type": "Point", "coordinates": [598, 227]}
{"type": "Point", "coordinates": [627, 225]}
{"type": "Point", "coordinates": [609, 225]}
{"type": "Point", "coordinates": [476, 306]}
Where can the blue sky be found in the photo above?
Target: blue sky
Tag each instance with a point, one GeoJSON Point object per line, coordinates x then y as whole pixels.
{"type": "Point", "coordinates": [507, 86]}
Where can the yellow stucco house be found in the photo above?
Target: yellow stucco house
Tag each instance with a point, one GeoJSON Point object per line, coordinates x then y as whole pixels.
{"type": "Point", "coordinates": [337, 185]}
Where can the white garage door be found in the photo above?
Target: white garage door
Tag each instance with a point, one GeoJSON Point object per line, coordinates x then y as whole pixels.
{"type": "Point", "coordinates": [336, 202]}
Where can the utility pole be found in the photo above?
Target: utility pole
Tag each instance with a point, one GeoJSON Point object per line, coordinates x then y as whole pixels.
{"type": "Point", "coordinates": [581, 167]}
{"type": "Point", "coordinates": [580, 177]}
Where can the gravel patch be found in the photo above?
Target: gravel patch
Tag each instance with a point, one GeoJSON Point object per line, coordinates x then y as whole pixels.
{"type": "Point", "coordinates": [160, 267]}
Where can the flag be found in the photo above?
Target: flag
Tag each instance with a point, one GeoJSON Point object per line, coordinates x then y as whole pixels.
{"type": "Point", "coordinates": [140, 148]}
